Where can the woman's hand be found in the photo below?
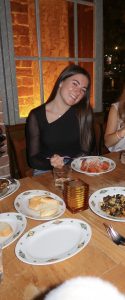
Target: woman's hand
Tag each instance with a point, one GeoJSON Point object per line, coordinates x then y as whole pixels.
{"type": "Point", "coordinates": [57, 161]}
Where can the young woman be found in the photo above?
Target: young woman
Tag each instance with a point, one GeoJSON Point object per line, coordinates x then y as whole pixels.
{"type": "Point", "coordinates": [63, 126]}
{"type": "Point", "coordinates": [115, 130]}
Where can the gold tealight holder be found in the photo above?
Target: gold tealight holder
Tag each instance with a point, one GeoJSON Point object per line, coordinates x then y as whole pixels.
{"type": "Point", "coordinates": [76, 193]}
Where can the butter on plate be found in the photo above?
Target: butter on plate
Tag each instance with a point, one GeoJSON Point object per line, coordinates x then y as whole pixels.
{"type": "Point", "coordinates": [46, 206]}
{"type": "Point", "coordinates": [5, 229]}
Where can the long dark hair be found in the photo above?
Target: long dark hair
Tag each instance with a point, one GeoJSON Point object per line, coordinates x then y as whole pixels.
{"type": "Point", "coordinates": [83, 108]}
{"type": "Point", "coordinates": [121, 98]}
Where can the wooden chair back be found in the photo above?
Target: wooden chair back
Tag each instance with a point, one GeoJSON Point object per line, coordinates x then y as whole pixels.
{"type": "Point", "coordinates": [17, 151]}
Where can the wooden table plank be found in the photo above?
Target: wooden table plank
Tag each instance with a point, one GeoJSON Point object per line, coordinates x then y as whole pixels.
{"type": "Point", "coordinates": [100, 257]}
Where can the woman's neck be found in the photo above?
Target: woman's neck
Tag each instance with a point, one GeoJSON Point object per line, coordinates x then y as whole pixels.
{"type": "Point", "coordinates": [57, 107]}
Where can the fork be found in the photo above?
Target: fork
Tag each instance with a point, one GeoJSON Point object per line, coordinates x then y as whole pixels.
{"type": "Point", "coordinates": [66, 156]}
{"type": "Point", "coordinates": [116, 237]}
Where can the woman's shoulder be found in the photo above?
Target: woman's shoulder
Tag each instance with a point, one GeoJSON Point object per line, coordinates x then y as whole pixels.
{"type": "Point", "coordinates": [38, 108]}
{"type": "Point", "coordinates": [36, 114]}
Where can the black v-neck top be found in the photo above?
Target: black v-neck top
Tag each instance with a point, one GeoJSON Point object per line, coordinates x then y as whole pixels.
{"type": "Point", "coordinates": [44, 139]}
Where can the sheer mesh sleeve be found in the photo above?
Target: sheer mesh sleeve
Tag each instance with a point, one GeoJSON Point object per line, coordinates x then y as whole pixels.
{"type": "Point", "coordinates": [33, 144]}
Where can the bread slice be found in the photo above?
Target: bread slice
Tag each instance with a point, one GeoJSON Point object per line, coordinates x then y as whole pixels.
{"type": "Point", "coordinates": [49, 208]}
{"type": "Point", "coordinates": [5, 229]}
{"type": "Point", "coordinates": [35, 202]}
{"type": "Point", "coordinates": [46, 206]}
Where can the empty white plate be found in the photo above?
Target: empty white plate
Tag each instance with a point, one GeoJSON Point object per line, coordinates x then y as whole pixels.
{"type": "Point", "coordinates": [53, 241]}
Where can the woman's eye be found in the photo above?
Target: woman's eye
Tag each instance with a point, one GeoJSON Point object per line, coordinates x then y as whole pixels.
{"type": "Point", "coordinates": [75, 83]}
{"type": "Point", "coordinates": [84, 91]}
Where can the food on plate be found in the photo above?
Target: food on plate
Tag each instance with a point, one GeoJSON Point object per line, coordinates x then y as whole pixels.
{"type": "Point", "coordinates": [49, 209]}
{"type": "Point", "coordinates": [35, 202]}
{"type": "Point", "coordinates": [114, 205]}
{"type": "Point", "coordinates": [46, 206]}
{"type": "Point", "coordinates": [94, 166]}
{"type": "Point", "coordinates": [4, 183]}
{"type": "Point", "coordinates": [5, 229]}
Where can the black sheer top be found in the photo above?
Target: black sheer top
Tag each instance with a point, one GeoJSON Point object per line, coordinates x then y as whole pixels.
{"type": "Point", "coordinates": [45, 139]}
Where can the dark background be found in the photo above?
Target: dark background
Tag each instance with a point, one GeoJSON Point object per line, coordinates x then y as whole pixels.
{"type": "Point", "coordinates": [114, 58]}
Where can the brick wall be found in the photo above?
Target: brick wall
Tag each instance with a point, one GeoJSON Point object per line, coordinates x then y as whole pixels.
{"type": "Point", "coordinates": [55, 42]}
{"type": "Point", "coordinates": [23, 22]}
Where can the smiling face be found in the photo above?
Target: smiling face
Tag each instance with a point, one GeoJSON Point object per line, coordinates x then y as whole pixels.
{"type": "Point", "coordinates": [73, 89]}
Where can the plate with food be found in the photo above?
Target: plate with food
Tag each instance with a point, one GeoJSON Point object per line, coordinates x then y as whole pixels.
{"type": "Point", "coordinates": [39, 205]}
{"type": "Point", "coordinates": [53, 241]}
{"type": "Point", "coordinates": [12, 226]}
{"type": "Point", "coordinates": [4, 186]}
{"type": "Point", "coordinates": [8, 187]}
{"type": "Point", "coordinates": [93, 165]}
{"type": "Point", "coordinates": [109, 203]}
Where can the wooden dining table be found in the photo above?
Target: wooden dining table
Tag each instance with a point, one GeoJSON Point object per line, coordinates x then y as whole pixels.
{"type": "Point", "coordinates": [101, 257]}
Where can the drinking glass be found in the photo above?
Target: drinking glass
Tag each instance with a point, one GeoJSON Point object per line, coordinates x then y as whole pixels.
{"type": "Point", "coordinates": [61, 175]}
{"type": "Point", "coordinates": [76, 193]}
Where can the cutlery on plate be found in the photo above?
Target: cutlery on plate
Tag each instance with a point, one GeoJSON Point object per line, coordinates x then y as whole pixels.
{"type": "Point", "coordinates": [66, 156]}
{"type": "Point", "coordinates": [116, 237]}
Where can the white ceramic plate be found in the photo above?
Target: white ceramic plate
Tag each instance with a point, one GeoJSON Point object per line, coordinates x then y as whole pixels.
{"type": "Point", "coordinates": [53, 241]}
{"type": "Point", "coordinates": [97, 197]}
{"type": "Point", "coordinates": [95, 161]}
{"type": "Point", "coordinates": [13, 187]}
{"type": "Point", "coordinates": [17, 222]}
{"type": "Point", "coordinates": [22, 200]}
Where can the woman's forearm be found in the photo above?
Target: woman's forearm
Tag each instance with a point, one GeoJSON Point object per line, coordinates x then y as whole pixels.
{"type": "Point", "coordinates": [113, 138]}
{"type": "Point", "coordinates": [36, 162]}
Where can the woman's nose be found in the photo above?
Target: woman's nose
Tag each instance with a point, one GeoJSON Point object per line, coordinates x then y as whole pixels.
{"type": "Point", "coordinates": [78, 90]}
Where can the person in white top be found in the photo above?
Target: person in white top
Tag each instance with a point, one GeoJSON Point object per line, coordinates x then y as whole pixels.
{"type": "Point", "coordinates": [115, 130]}
{"type": "Point", "coordinates": [85, 288]}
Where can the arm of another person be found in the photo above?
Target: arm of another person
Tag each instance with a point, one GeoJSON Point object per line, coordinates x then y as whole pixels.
{"type": "Point", "coordinates": [35, 156]}
{"type": "Point", "coordinates": [112, 135]}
